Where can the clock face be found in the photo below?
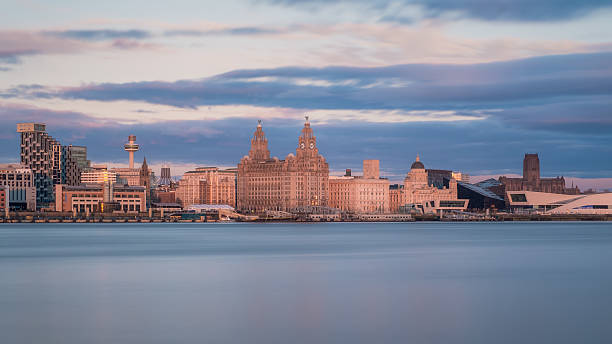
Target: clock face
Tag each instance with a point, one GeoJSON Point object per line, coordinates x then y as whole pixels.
{"type": "Point", "coordinates": [302, 145]}
{"type": "Point", "coordinates": [311, 145]}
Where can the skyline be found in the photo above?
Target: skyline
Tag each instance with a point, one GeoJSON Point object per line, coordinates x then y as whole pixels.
{"type": "Point", "coordinates": [468, 87]}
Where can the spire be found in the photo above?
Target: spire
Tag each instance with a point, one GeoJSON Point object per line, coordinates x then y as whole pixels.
{"type": "Point", "coordinates": [144, 162]}
{"type": "Point", "coordinates": [259, 123]}
{"type": "Point", "coordinates": [417, 158]}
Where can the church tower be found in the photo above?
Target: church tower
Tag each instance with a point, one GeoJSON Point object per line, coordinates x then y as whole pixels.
{"type": "Point", "coordinates": [259, 145]}
{"type": "Point", "coordinates": [145, 179]}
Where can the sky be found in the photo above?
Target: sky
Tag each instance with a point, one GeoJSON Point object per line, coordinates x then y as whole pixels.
{"type": "Point", "coordinates": [470, 86]}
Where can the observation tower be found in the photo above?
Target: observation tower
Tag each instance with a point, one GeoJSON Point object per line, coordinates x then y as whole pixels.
{"type": "Point", "coordinates": [131, 147]}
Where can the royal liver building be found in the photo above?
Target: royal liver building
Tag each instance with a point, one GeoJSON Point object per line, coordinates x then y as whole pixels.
{"type": "Point", "coordinates": [265, 183]}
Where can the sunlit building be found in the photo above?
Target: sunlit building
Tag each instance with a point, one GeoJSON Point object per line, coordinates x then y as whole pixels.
{"type": "Point", "coordinates": [555, 203]}
{"type": "Point", "coordinates": [90, 198]}
{"type": "Point", "coordinates": [272, 184]}
{"type": "Point", "coordinates": [98, 174]}
{"type": "Point", "coordinates": [531, 180]}
{"type": "Point", "coordinates": [207, 185]}
{"type": "Point", "coordinates": [18, 182]}
{"type": "Point", "coordinates": [367, 194]}
{"type": "Point", "coordinates": [51, 162]}
{"type": "Point", "coordinates": [418, 193]}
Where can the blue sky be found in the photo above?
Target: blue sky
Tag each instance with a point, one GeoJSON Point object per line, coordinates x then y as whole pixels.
{"type": "Point", "coordinates": [470, 86]}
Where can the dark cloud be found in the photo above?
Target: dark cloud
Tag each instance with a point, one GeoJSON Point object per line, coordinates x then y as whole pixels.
{"type": "Point", "coordinates": [236, 31]}
{"type": "Point", "coordinates": [490, 10]}
{"type": "Point", "coordinates": [100, 35]}
{"type": "Point", "coordinates": [567, 92]}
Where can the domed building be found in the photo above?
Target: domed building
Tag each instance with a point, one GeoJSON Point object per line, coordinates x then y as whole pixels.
{"type": "Point", "coordinates": [271, 184]}
{"type": "Point", "coordinates": [418, 193]}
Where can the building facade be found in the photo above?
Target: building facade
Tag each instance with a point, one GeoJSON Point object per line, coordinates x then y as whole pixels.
{"type": "Point", "coordinates": [4, 204]}
{"type": "Point", "coordinates": [18, 182]}
{"type": "Point", "coordinates": [51, 162]}
{"type": "Point", "coordinates": [207, 185]}
{"type": "Point", "coordinates": [532, 181]}
{"type": "Point", "coordinates": [79, 154]}
{"type": "Point", "coordinates": [271, 184]}
{"type": "Point", "coordinates": [367, 194]}
{"type": "Point", "coordinates": [98, 174]}
{"type": "Point", "coordinates": [89, 198]}
{"type": "Point", "coordinates": [418, 193]}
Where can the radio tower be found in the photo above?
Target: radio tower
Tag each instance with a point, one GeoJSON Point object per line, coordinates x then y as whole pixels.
{"type": "Point", "coordinates": [131, 147]}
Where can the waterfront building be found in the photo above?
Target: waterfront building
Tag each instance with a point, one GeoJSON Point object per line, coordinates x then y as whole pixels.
{"type": "Point", "coordinates": [479, 197]}
{"type": "Point", "coordinates": [555, 203]}
{"type": "Point", "coordinates": [207, 185]}
{"type": "Point", "coordinates": [50, 161]}
{"type": "Point", "coordinates": [79, 154]}
{"type": "Point", "coordinates": [367, 194]}
{"type": "Point", "coordinates": [89, 198]}
{"type": "Point", "coordinates": [18, 183]}
{"type": "Point", "coordinates": [531, 180]}
{"type": "Point", "coordinates": [396, 192]}
{"type": "Point", "coordinates": [418, 193]}
{"type": "Point", "coordinates": [271, 184]}
{"type": "Point", "coordinates": [98, 174]}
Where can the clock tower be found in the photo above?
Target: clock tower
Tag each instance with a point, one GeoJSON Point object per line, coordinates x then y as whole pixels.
{"type": "Point", "coordinates": [307, 143]}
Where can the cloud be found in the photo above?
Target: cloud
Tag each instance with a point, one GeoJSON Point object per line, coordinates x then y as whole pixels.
{"type": "Point", "coordinates": [545, 92]}
{"type": "Point", "coordinates": [231, 31]}
{"type": "Point", "coordinates": [16, 44]}
{"type": "Point", "coordinates": [100, 35]}
{"type": "Point", "coordinates": [488, 10]}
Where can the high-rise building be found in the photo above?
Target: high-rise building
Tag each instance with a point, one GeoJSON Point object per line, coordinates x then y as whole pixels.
{"type": "Point", "coordinates": [79, 154]}
{"type": "Point", "coordinates": [362, 195]}
{"type": "Point", "coordinates": [531, 180]}
{"type": "Point", "coordinates": [299, 181]}
{"type": "Point", "coordinates": [207, 185]}
{"type": "Point", "coordinates": [51, 163]}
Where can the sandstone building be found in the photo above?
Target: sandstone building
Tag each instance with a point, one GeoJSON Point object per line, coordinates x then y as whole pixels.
{"type": "Point", "coordinates": [367, 194]}
{"type": "Point", "coordinates": [298, 181]}
{"type": "Point", "coordinates": [531, 180]}
{"type": "Point", "coordinates": [207, 185]}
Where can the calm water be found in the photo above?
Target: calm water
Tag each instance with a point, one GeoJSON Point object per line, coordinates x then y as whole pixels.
{"type": "Point", "coordinates": [306, 283]}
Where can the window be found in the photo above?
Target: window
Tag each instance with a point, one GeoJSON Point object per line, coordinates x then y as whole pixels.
{"type": "Point", "coordinates": [518, 197]}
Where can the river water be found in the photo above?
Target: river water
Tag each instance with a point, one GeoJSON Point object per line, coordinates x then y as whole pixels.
{"type": "Point", "coordinates": [306, 283]}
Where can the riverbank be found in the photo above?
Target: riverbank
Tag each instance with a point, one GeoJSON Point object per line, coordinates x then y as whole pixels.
{"type": "Point", "coordinates": [144, 218]}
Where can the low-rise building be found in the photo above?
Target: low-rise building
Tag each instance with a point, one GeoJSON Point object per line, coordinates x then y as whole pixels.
{"type": "Point", "coordinates": [554, 203]}
{"type": "Point", "coordinates": [89, 198]}
{"type": "Point", "coordinates": [98, 174]}
{"type": "Point", "coordinates": [20, 189]}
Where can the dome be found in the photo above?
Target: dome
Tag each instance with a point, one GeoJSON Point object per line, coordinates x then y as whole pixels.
{"type": "Point", "coordinates": [417, 164]}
